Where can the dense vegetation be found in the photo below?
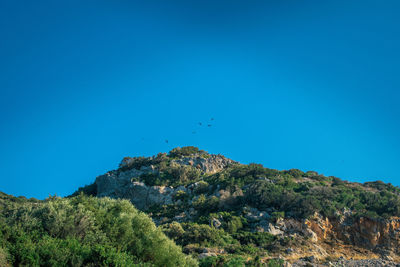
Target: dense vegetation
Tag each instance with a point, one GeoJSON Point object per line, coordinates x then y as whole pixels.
{"type": "Point", "coordinates": [299, 195]}
{"type": "Point", "coordinates": [82, 231]}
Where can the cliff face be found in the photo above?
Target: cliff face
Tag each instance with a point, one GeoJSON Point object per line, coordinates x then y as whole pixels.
{"type": "Point", "coordinates": [380, 236]}
{"type": "Point", "coordinates": [258, 207]}
{"type": "Point", "coordinates": [347, 237]}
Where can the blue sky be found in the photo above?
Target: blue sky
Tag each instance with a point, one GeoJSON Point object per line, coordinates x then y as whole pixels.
{"type": "Point", "coordinates": [312, 85]}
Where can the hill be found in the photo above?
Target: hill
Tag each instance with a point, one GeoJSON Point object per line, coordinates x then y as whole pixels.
{"type": "Point", "coordinates": [227, 213]}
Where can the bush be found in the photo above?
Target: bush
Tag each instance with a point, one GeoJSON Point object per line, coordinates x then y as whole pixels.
{"type": "Point", "coordinates": [4, 258]}
{"type": "Point", "coordinates": [181, 195]}
{"type": "Point", "coordinates": [183, 151]}
{"type": "Point", "coordinates": [260, 239]}
{"type": "Point", "coordinates": [201, 187]}
{"type": "Point", "coordinates": [295, 173]}
{"type": "Point", "coordinates": [173, 230]}
{"type": "Point", "coordinates": [234, 224]}
{"type": "Point", "coordinates": [204, 235]}
{"type": "Point", "coordinates": [204, 204]}
{"type": "Point", "coordinates": [174, 175]}
{"type": "Point", "coordinates": [128, 163]}
{"type": "Point", "coordinates": [231, 261]}
{"type": "Point", "coordinates": [84, 230]}
{"type": "Point", "coordinates": [275, 263]}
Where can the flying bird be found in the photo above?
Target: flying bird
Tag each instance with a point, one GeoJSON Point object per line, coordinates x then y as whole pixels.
{"type": "Point", "coordinates": [200, 123]}
{"type": "Point", "coordinates": [209, 125]}
{"type": "Point", "coordinates": [166, 141]}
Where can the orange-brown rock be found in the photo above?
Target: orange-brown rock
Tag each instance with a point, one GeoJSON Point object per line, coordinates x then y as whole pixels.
{"type": "Point", "coordinates": [376, 235]}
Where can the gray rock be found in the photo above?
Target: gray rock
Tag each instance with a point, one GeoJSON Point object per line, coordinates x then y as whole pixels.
{"type": "Point", "coordinates": [265, 226]}
{"type": "Point", "coordinates": [205, 255]}
{"type": "Point", "coordinates": [254, 215]}
{"type": "Point", "coordinates": [211, 164]}
{"type": "Point", "coordinates": [215, 223]}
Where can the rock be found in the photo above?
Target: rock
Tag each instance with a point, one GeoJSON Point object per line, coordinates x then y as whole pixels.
{"type": "Point", "coordinates": [215, 223]}
{"type": "Point", "coordinates": [265, 226]}
{"type": "Point", "coordinates": [310, 259]}
{"type": "Point", "coordinates": [123, 183]}
{"type": "Point", "coordinates": [264, 179]}
{"type": "Point", "coordinates": [254, 215]}
{"type": "Point", "coordinates": [205, 255]}
{"type": "Point", "coordinates": [181, 217]}
{"type": "Point", "coordinates": [273, 230]}
{"type": "Point", "coordinates": [310, 234]}
{"type": "Point", "coordinates": [210, 164]}
{"type": "Point", "coordinates": [289, 250]}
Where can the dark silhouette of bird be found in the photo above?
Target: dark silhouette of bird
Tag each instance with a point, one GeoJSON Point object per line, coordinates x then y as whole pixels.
{"type": "Point", "coordinates": [209, 125]}
{"type": "Point", "coordinates": [212, 119]}
{"type": "Point", "coordinates": [166, 141]}
{"type": "Point", "coordinates": [200, 123]}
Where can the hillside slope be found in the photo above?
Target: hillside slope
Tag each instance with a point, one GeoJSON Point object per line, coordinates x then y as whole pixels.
{"type": "Point", "coordinates": [222, 211]}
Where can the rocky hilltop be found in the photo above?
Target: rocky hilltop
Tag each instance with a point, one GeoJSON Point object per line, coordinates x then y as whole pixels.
{"type": "Point", "coordinates": [222, 211]}
{"type": "Point", "coordinates": [126, 182]}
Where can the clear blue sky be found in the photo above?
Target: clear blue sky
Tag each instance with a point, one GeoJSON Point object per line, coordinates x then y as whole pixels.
{"type": "Point", "coordinates": [312, 85]}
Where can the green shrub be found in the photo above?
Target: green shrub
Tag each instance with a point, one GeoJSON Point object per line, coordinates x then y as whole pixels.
{"type": "Point", "coordinates": [201, 187]}
{"type": "Point", "coordinates": [82, 231]}
{"type": "Point", "coordinates": [128, 163]}
{"type": "Point", "coordinates": [4, 258]}
{"type": "Point", "coordinates": [234, 224]}
{"type": "Point", "coordinates": [295, 173]}
{"type": "Point", "coordinates": [181, 195]}
{"type": "Point", "coordinates": [231, 261]}
{"type": "Point", "coordinates": [260, 239]}
{"type": "Point", "coordinates": [209, 262]}
{"type": "Point", "coordinates": [173, 175]}
{"type": "Point", "coordinates": [204, 235]}
{"type": "Point", "coordinates": [275, 263]}
{"type": "Point", "coordinates": [173, 230]}
{"type": "Point", "coordinates": [183, 151]}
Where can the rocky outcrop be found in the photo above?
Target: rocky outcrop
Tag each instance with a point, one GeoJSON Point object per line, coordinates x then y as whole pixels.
{"type": "Point", "coordinates": [138, 193]}
{"type": "Point", "coordinates": [345, 236]}
{"type": "Point", "coordinates": [123, 183]}
{"type": "Point", "coordinates": [378, 235]}
{"type": "Point", "coordinates": [208, 164]}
